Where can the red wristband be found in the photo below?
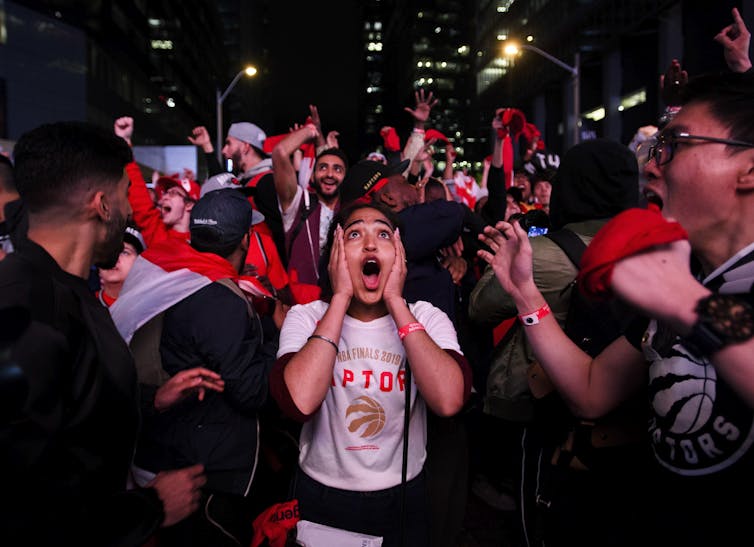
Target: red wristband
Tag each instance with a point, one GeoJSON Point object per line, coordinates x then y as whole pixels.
{"type": "Point", "coordinates": [405, 330]}
{"type": "Point", "coordinates": [533, 318]}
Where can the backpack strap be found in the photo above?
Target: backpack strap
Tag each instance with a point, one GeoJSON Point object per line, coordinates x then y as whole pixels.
{"type": "Point", "coordinates": [145, 343]}
{"type": "Point", "coordinates": [309, 201]}
{"type": "Point", "coordinates": [571, 244]}
{"type": "Point", "coordinates": [233, 286]}
{"type": "Point", "coordinates": [145, 347]}
{"type": "Point", "coordinates": [252, 182]}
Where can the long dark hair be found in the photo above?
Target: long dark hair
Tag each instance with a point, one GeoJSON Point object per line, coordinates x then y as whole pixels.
{"type": "Point", "coordinates": [340, 219]}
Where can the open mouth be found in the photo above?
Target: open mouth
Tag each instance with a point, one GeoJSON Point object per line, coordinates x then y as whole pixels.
{"type": "Point", "coordinates": [653, 199]}
{"type": "Point", "coordinates": [165, 209]}
{"type": "Point", "coordinates": [370, 273]}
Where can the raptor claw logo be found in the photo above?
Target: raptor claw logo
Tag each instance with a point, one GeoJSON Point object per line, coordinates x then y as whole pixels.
{"type": "Point", "coordinates": [369, 416]}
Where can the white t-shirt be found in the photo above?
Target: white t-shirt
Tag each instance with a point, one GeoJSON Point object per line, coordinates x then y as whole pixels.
{"type": "Point", "coordinates": [355, 440]}
{"type": "Point", "coordinates": [325, 217]}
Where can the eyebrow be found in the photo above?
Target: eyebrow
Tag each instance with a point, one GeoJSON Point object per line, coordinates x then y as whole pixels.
{"type": "Point", "coordinates": [360, 220]}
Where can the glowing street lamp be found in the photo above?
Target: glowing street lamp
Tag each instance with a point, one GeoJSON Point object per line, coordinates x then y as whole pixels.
{"type": "Point", "coordinates": [249, 71]}
{"type": "Point", "coordinates": [512, 49]}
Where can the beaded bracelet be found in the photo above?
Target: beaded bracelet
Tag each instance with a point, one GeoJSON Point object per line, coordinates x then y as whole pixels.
{"type": "Point", "coordinates": [407, 329]}
{"type": "Point", "coordinates": [326, 339]}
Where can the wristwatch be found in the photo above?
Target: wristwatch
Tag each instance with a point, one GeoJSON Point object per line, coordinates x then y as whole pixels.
{"type": "Point", "coordinates": [723, 319]}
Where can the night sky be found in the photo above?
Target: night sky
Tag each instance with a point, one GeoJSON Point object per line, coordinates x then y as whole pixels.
{"type": "Point", "coordinates": [316, 59]}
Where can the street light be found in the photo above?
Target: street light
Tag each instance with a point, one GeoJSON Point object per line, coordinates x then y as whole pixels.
{"type": "Point", "coordinates": [512, 49]}
{"type": "Point", "coordinates": [249, 71]}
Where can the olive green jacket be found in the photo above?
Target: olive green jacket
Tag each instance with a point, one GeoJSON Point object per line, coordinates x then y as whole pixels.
{"type": "Point", "coordinates": [508, 395]}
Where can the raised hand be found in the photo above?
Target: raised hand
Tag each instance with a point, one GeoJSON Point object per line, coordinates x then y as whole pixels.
{"type": "Point", "coordinates": [194, 380]}
{"type": "Point", "coordinates": [200, 137]}
{"type": "Point", "coordinates": [397, 275]}
{"type": "Point", "coordinates": [736, 39]}
{"type": "Point", "coordinates": [672, 82]}
{"type": "Point", "coordinates": [340, 276]}
{"type": "Point", "coordinates": [511, 256]}
{"type": "Point", "coordinates": [332, 139]}
{"type": "Point", "coordinates": [124, 128]}
{"type": "Point", "coordinates": [424, 105]}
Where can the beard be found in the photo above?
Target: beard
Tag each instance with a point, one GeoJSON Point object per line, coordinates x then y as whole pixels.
{"type": "Point", "coordinates": [106, 256]}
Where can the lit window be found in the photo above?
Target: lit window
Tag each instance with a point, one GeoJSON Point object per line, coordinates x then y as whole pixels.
{"type": "Point", "coordinates": [162, 44]}
{"type": "Point", "coordinates": [595, 115]}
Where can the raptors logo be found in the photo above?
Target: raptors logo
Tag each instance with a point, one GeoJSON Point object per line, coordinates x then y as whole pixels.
{"type": "Point", "coordinates": [698, 426]}
{"type": "Point", "coordinates": [368, 414]}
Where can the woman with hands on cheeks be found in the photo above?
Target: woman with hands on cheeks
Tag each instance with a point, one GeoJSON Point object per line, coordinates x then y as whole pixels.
{"type": "Point", "coordinates": [341, 369]}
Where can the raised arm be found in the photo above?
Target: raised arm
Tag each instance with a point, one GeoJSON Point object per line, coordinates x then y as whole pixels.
{"type": "Point", "coordinates": [321, 142]}
{"type": "Point", "coordinates": [284, 172]}
{"type": "Point", "coordinates": [420, 114]}
{"type": "Point", "coordinates": [591, 387]}
{"type": "Point", "coordinates": [736, 39]}
{"type": "Point", "coordinates": [146, 216]}
{"type": "Point", "coordinates": [200, 137]}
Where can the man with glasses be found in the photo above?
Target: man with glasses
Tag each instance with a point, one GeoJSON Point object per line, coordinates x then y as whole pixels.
{"type": "Point", "coordinates": [693, 351]}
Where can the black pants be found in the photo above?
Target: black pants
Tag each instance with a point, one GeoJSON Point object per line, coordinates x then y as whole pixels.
{"type": "Point", "coordinates": [221, 520]}
{"type": "Point", "coordinates": [376, 513]}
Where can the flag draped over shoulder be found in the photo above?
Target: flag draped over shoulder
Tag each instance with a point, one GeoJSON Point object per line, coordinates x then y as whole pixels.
{"type": "Point", "coordinates": [165, 274]}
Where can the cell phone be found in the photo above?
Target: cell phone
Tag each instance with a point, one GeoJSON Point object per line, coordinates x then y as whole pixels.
{"type": "Point", "coordinates": [535, 231]}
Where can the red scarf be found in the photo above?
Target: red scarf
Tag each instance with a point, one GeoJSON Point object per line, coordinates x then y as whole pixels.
{"type": "Point", "coordinates": [176, 255]}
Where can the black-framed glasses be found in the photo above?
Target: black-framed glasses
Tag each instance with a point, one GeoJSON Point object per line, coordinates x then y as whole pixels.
{"type": "Point", "coordinates": [664, 148]}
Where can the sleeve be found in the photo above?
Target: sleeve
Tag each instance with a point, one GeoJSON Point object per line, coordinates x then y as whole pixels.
{"type": "Point", "coordinates": [494, 210]}
{"type": "Point", "coordinates": [281, 394]}
{"type": "Point", "coordinates": [298, 325]}
{"type": "Point", "coordinates": [429, 227]}
{"type": "Point", "coordinates": [213, 165]}
{"type": "Point", "coordinates": [437, 325]}
{"type": "Point", "coordinates": [226, 339]}
{"type": "Point", "coordinates": [48, 473]}
{"type": "Point", "coordinates": [289, 215]}
{"type": "Point", "coordinates": [414, 144]}
{"type": "Point", "coordinates": [145, 214]}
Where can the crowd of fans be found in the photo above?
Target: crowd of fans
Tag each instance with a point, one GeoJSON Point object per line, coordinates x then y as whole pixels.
{"type": "Point", "coordinates": [377, 339]}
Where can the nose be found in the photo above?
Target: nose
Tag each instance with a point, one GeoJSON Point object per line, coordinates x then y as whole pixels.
{"type": "Point", "coordinates": [651, 169]}
{"type": "Point", "coordinates": [370, 243]}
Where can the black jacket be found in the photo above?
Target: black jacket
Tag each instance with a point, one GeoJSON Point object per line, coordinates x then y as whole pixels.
{"type": "Point", "coordinates": [211, 328]}
{"type": "Point", "coordinates": [65, 451]}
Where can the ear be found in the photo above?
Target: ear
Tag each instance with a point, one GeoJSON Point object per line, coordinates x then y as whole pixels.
{"type": "Point", "coordinates": [100, 205]}
{"type": "Point", "coordinates": [745, 181]}
{"type": "Point", "coordinates": [388, 198]}
{"type": "Point", "coordinates": [189, 205]}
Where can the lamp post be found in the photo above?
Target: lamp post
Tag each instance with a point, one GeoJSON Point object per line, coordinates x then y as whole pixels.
{"type": "Point", "coordinates": [512, 49]}
{"type": "Point", "coordinates": [220, 97]}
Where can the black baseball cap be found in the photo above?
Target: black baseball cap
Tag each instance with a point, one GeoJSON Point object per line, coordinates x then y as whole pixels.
{"type": "Point", "coordinates": [219, 220]}
{"type": "Point", "coordinates": [366, 176]}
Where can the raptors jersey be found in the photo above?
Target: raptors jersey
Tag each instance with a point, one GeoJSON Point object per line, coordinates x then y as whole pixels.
{"type": "Point", "coordinates": [701, 432]}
